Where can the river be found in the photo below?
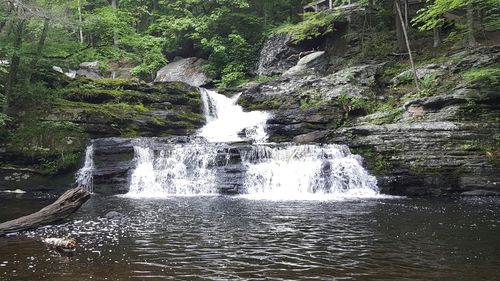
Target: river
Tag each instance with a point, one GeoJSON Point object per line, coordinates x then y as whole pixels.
{"type": "Point", "coordinates": [235, 238]}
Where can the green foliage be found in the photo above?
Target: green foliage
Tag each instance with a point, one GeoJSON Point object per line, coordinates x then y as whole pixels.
{"type": "Point", "coordinates": [432, 15]}
{"type": "Point", "coordinates": [489, 76]}
{"type": "Point", "coordinates": [148, 50]}
{"type": "Point", "coordinates": [106, 22]}
{"type": "Point", "coordinates": [375, 44]}
{"type": "Point", "coordinates": [313, 25]}
{"type": "Point", "coordinates": [45, 138]}
{"type": "Point", "coordinates": [230, 58]}
{"type": "Point", "coordinates": [3, 120]}
{"type": "Point", "coordinates": [428, 86]}
{"type": "Point", "coordinates": [65, 162]}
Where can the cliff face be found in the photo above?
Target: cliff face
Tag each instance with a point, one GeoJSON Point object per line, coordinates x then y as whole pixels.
{"type": "Point", "coordinates": [45, 145]}
{"type": "Point", "coordinates": [443, 139]}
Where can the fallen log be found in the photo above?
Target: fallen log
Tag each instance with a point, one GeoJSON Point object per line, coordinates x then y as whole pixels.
{"type": "Point", "coordinates": [62, 208]}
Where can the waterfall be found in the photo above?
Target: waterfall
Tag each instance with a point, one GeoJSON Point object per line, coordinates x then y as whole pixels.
{"type": "Point", "coordinates": [206, 164]}
{"type": "Point", "coordinates": [85, 176]}
{"type": "Point", "coordinates": [227, 122]}
{"type": "Point", "coordinates": [180, 169]}
{"type": "Point", "coordinates": [298, 171]}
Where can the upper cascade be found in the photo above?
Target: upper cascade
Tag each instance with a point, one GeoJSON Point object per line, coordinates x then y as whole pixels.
{"type": "Point", "coordinates": [227, 122]}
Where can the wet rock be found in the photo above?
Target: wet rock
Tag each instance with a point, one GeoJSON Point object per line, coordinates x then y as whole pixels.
{"type": "Point", "coordinates": [113, 215]}
{"type": "Point", "coordinates": [480, 192]}
{"type": "Point", "coordinates": [187, 70]}
{"type": "Point", "coordinates": [437, 145]}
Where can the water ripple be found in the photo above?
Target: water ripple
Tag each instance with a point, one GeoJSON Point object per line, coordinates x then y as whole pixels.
{"type": "Point", "coordinates": [227, 238]}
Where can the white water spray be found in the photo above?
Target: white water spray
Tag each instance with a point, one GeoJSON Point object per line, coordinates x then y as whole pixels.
{"type": "Point", "coordinates": [227, 122]}
{"type": "Point", "coordinates": [85, 176]}
{"type": "Point", "coordinates": [300, 171]}
{"type": "Point", "coordinates": [179, 169]}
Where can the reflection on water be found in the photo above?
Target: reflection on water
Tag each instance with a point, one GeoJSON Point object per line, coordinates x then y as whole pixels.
{"type": "Point", "coordinates": [229, 238]}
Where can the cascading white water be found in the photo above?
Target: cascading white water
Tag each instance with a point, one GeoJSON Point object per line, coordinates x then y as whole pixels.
{"type": "Point", "coordinates": [226, 120]}
{"type": "Point", "coordinates": [298, 171]}
{"type": "Point", "coordinates": [181, 169]}
{"type": "Point", "coordinates": [271, 171]}
{"type": "Point", "coordinates": [85, 176]}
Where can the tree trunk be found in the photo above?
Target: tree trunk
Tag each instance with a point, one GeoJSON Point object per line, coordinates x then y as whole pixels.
{"type": "Point", "coordinates": [115, 33]}
{"type": "Point", "coordinates": [406, 14]}
{"type": "Point", "coordinates": [14, 65]}
{"type": "Point", "coordinates": [470, 26]}
{"type": "Point", "coordinates": [62, 208]}
{"type": "Point", "coordinates": [437, 36]}
{"type": "Point", "coordinates": [39, 49]}
{"type": "Point", "coordinates": [80, 20]}
{"type": "Point", "coordinates": [407, 41]}
{"type": "Point", "coordinates": [399, 29]}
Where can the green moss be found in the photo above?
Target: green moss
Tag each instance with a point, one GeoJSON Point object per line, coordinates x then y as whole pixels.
{"type": "Point", "coordinates": [310, 103]}
{"type": "Point", "coordinates": [52, 146]}
{"type": "Point", "coordinates": [376, 161]}
{"type": "Point", "coordinates": [66, 162]}
{"type": "Point", "coordinates": [46, 138]}
{"type": "Point", "coordinates": [130, 133]}
{"type": "Point", "coordinates": [485, 77]}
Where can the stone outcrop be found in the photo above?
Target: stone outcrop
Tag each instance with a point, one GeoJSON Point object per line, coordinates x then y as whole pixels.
{"type": "Point", "coordinates": [89, 70]}
{"type": "Point", "coordinates": [444, 143]}
{"type": "Point", "coordinates": [277, 55]}
{"type": "Point", "coordinates": [305, 104]}
{"type": "Point", "coordinates": [188, 70]}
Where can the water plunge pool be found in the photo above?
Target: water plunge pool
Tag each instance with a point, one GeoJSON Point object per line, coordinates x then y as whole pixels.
{"type": "Point", "coordinates": [234, 238]}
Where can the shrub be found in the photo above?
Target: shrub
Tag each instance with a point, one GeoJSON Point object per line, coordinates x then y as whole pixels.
{"type": "Point", "coordinates": [313, 25]}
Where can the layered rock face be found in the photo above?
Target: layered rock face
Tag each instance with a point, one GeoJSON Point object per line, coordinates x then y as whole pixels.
{"type": "Point", "coordinates": [51, 139]}
{"type": "Point", "coordinates": [442, 140]}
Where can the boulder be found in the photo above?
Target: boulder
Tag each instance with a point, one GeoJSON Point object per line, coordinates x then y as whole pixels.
{"type": "Point", "coordinates": [277, 55]}
{"type": "Point", "coordinates": [90, 70]}
{"type": "Point", "coordinates": [423, 72]}
{"type": "Point", "coordinates": [188, 70]}
{"type": "Point", "coordinates": [114, 215]}
{"type": "Point", "coordinates": [480, 57]}
{"type": "Point", "coordinates": [316, 61]}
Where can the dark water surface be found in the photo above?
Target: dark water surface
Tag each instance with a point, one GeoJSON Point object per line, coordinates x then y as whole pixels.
{"type": "Point", "coordinates": [230, 238]}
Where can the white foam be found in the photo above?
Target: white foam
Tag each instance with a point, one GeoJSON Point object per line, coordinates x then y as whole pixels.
{"type": "Point", "coordinates": [226, 120]}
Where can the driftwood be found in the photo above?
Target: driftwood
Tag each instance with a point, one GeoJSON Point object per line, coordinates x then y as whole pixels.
{"type": "Point", "coordinates": [64, 206]}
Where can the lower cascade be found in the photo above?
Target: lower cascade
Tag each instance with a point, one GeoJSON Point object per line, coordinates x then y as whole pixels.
{"type": "Point", "coordinates": [295, 171]}
{"type": "Point", "coordinates": [183, 169]}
